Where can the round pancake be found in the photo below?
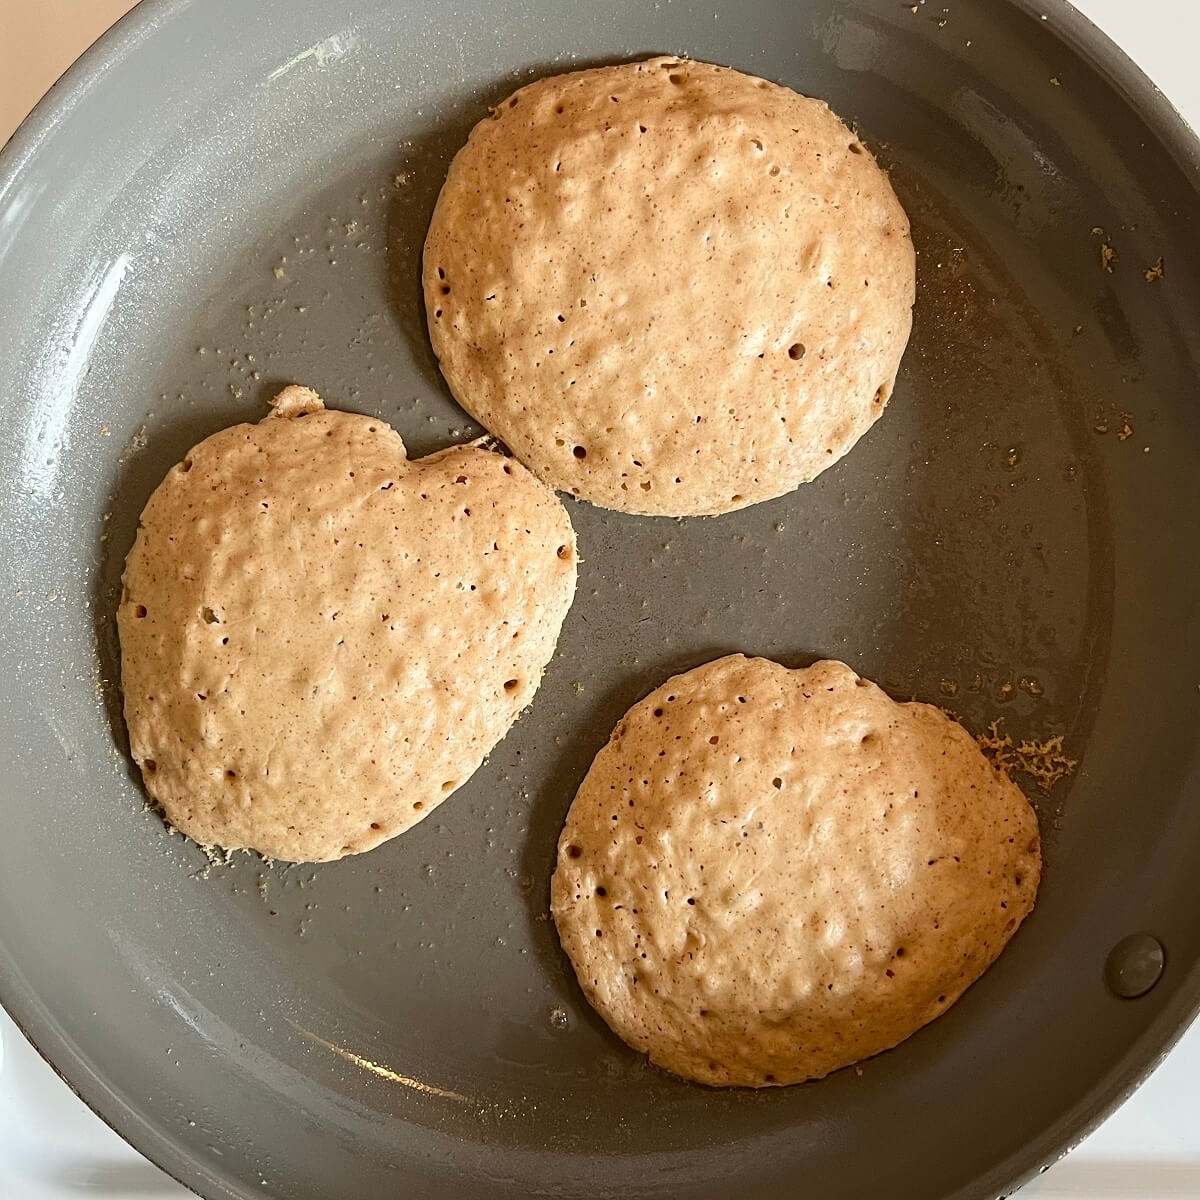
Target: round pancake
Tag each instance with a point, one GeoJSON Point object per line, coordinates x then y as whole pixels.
{"type": "Point", "coordinates": [321, 640]}
{"type": "Point", "coordinates": [669, 287]}
{"type": "Point", "coordinates": [769, 874]}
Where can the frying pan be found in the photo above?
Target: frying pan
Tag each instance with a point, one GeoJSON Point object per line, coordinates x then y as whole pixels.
{"type": "Point", "coordinates": [223, 197]}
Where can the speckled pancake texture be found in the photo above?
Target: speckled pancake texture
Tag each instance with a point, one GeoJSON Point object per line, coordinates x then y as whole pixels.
{"type": "Point", "coordinates": [321, 640]}
{"type": "Point", "coordinates": [669, 287]}
{"type": "Point", "coordinates": [769, 874]}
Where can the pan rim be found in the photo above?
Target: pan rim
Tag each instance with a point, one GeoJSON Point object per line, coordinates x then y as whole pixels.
{"type": "Point", "coordinates": [38, 1025]}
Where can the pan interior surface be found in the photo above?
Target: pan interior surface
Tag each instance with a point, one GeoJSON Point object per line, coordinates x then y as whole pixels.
{"type": "Point", "coordinates": [216, 203]}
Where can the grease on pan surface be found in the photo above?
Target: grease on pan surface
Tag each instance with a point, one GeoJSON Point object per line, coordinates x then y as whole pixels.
{"type": "Point", "coordinates": [669, 287]}
{"type": "Point", "coordinates": [768, 874]}
{"type": "Point", "coordinates": [320, 639]}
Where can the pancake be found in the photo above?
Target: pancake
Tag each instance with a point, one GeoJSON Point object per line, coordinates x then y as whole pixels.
{"type": "Point", "coordinates": [669, 287]}
{"type": "Point", "coordinates": [321, 640]}
{"type": "Point", "coordinates": [768, 874]}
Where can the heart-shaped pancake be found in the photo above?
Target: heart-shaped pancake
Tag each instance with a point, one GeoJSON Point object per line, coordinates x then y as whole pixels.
{"type": "Point", "coordinates": [322, 640]}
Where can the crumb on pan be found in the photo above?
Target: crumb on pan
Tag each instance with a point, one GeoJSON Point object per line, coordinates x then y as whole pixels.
{"type": "Point", "coordinates": [1045, 761]}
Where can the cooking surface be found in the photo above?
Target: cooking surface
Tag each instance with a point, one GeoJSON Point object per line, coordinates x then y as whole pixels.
{"type": "Point", "coordinates": [52, 1147]}
{"type": "Point", "coordinates": [1017, 598]}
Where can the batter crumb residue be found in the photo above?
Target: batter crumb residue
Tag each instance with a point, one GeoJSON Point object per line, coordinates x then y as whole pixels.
{"type": "Point", "coordinates": [1121, 424]}
{"type": "Point", "coordinates": [1045, 761]}
{"type": "Point", "coordinates": [1156, 272]}
{"type": "Point", "coordinates": [216, 855]}
{"type": "Point", "coordinates": [1108, 255]}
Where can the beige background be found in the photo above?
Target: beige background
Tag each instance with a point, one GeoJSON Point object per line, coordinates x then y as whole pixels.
{"type": "Point", "coordinates": [40, 40]}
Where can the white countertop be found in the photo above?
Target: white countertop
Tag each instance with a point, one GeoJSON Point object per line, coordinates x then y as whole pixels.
{"type": "Point", "coordinates": [53, 1148]}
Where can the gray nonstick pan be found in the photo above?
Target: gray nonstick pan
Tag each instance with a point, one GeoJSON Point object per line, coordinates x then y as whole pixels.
{"type": "Point", "coordinates": [222, 197]}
